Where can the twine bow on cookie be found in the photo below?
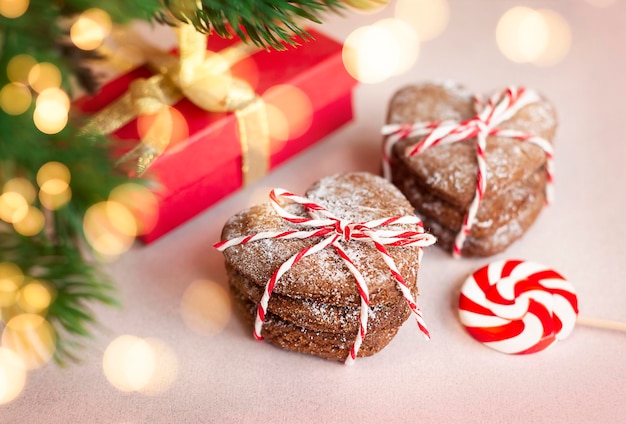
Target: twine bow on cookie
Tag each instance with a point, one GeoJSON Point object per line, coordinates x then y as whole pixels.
{"type": "Point", "coordinates": [333, 232]}
{"type": "Point", "coordinates": [501, 107]}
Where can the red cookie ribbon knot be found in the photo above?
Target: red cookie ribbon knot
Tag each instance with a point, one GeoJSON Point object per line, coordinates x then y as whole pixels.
{"type": "Point", "coordinates": [501, 107]}
{"type": "Point", "coordinates": [333, 232]}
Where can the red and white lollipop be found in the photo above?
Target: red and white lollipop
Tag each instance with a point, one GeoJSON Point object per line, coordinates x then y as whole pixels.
{"type": "Point", "coordinates": [517, 307]}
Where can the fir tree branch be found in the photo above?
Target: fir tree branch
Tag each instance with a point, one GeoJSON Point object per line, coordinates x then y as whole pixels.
{"type": "Point", "coordinates": [266, 23]}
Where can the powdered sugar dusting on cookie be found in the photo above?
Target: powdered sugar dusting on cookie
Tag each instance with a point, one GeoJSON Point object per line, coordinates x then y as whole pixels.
{"type": "Point", "coordinates": [324, 277]}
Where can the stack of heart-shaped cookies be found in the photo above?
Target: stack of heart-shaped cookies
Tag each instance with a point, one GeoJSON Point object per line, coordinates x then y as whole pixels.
{"type": "Point", "coordinates": [441, 181]}
{"type": "Point", "coordinates": [314, 307]}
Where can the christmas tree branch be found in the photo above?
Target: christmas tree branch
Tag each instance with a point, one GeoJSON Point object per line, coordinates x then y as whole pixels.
{"type": "Point", "coordinates": [266, 23]}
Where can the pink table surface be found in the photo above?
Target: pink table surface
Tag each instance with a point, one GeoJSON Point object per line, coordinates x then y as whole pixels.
{"type": "Point", "coordinates": [230, 377]}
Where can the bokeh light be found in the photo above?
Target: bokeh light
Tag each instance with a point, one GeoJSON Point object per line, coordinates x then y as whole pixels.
{"type": "Point", "coordinates": [44, 75]}
{"type": "Point", "coordinates": [541, 37]}
{"type": "Point", "coordinates": [12, 375]}
{"type": "Point", "coordinates": [429, 18]}
{"type": "Point", "coordinates": [19, 68]}
{"type": "Point", "coordinates": [141, 202]}
{"type": "Point", "coordinates": [406, 43]}
{"type": "Point", "coordinates": [128, 363]}
{"type": "Point", "coordinates": [15, 98]}
{"type": "Point", "coordinates": [21, 186]}
{"type": "Point", "coordinates": [559, 39]}
{"type": "Point", "coordinates": [374, 53]}
{"type": "Point", "coordinates": [370, 54]}
{"type": "Point", "coordinates": [13, 8]}
{"type": "Point", "coordinates": [11, 279]}
{"type": "Point", "coordinates": [13, 207]}
{"type": "Point", "coordinates": [53, 177]}
{"type": "Point", "coordinates": [17, 193]}
{"type": "Point", "coordinates": [168, 125]}
{"type": "Point", "coordinates": [166, 369]}
{"type": "Point", "coordinates": [368, 6]}
{"type": "Point", "coordinates": [32, 223]}
{"type": "Point", "coordinates": [56, 95]}
{"type": "Point", "coordinates": [206, 307]}
{"type": "Point", "coordinates": [521, 34]}
{"type": "Point", "coordinates": [55, 201]}
{"type": "Point", "coordinates": [110, 228]}
{"type": "Point", "coordinates": [278, 125]}
{"type": "Point", "coordinates": [90, 29]}
{"type": "Point", "coordinates": [32, 337]}
{"type": "Point", "coordinates": [131, 363]}
{"type": "Point", "coordinates": [295, 111]}
{"type": "Point", "coordinates": [35, 297]}
{"type": "Point", "coordinates": [51, 112]}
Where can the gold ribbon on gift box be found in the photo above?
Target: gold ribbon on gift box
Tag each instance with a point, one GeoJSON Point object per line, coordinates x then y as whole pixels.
{"type": "Point", "coordinates": [206, 82]}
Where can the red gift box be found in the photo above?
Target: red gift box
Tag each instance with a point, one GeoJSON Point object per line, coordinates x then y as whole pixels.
{"type": "Point", "coordinates": [207, 166]}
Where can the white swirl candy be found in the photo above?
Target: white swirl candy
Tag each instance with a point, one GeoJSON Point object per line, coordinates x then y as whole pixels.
{"type": "Point", "coordinates": [517, 307]}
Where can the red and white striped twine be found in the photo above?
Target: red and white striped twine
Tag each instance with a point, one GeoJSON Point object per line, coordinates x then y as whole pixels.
{"type": "Point", "coordinates": [333, 231]}
{"type": "Point", "coordinates": [499, 108]}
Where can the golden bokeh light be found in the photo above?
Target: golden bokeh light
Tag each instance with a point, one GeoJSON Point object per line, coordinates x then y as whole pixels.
{"type": "Point", "coordinates": [521, 34]}
{"type": "Point", "coordinates": [13, 8]}
{"type": "Point", "coordinates": [405, 43]}
{"type": "Point", "coordinates": [526, 35]}
{"type": "Point", "coordinates": [559, 39]}
{"type": "Point", "coordinates": [13, 207]}
{"type": "Point", "coordinates": [54, 94]}
{"type": "Point", "coordinates": [141, 202]}
{"type": "Point", "coordinates": [32, 224]}
{"type": "Point", "coordinates": [429, 18]}
{"type": "Point", "coordinates": [370, 55]}
{"type": "Point", "coordinates": [19, 68]}
{"type": "Point", "coordinates": [128, 363]}
{"type": "Point", "coordinates": [206, 307]}
{"type": "Point", "coordinates": [278, 125]}
{"type": "Point", "coordinates": [167, 125]}
{"type": "Point", "coordinates": [131, 363]}
{"type": "Point", "coordinates": [368, 6]}
{"type": "Point", "coordinates": [49, 118]}
{"type": "Point", "coordinates": [15, 98]}
{"type": "Point", "coordinates": [51, 112]}
{"type": "Point", "coordinates": [166, 369]}
{"type": "Point", "coordinates": [11, 279]}
{"type": "Point", "coordinates": [35, 297]}
{"type": "Point", "coordinates": [90, 29]}
{"type": "Point", "coordinates": [44, 75]}
{"type": "Point", "coordinates": [12, 375]}
{"type": "Point", "coordinates": [8, 292]}
{"type": "Point", "coordinates": [55, 201]}
{"type": "Point", "coordinates": [21, 186]}
{"type": "Point", "coordinates": [32, 337]}
{"type": "Point", "coordinates": [110, 228]}
{"type": "Point", "coordinates": [53, 177]}
{"type": "Point", "coordinates": [294, 105]}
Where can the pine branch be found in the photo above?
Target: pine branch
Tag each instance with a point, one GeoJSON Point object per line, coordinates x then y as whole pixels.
{"type": "Point", "coordinates": [266, 23]}
{"type": "Point", "coordinates": [77, 285]}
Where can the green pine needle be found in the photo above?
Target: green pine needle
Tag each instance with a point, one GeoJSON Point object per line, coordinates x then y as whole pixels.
{"type": "Point", "coordinates": [266, 23]}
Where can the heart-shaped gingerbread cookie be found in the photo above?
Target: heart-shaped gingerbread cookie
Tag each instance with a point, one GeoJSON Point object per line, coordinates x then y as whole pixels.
{"type": "Point", "coordinates": [476, 172]}
{"type": "Point", "coordinates": [333, 273]}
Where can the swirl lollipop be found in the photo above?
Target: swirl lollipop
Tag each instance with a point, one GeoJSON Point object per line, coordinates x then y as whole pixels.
{"type": "Point", "coordinates": [521, 307]}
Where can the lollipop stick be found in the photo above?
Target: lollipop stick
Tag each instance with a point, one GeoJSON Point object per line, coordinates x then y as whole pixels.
{"type": "Point", "coordinates": [601, 323]}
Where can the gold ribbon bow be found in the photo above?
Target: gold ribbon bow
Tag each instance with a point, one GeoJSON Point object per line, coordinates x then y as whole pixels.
{"type": "Point", "coordinates": [205, 81]}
